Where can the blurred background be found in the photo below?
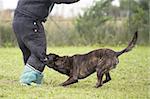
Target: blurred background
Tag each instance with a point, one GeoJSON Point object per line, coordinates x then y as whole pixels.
{"type": "Point", "coordinates": [86, 23]}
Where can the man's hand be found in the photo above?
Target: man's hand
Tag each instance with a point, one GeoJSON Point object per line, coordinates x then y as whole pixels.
{"type": "Point", "coordinates": [64, 1]}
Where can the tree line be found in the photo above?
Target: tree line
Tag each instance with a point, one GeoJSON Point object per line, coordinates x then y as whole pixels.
{"type": "Point", "coordinates": [101, 24]}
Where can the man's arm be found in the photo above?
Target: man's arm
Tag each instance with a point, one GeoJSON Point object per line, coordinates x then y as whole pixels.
{"type": "Point", "coordinates": [64, 1]}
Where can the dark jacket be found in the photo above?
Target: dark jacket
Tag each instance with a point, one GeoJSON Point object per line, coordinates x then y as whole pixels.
{"type": "Point", "coordinates": [38, 9]}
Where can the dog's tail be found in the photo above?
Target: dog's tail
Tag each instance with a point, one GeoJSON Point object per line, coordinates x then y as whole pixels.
{"type": "Point", "coordinates": [130, 45]}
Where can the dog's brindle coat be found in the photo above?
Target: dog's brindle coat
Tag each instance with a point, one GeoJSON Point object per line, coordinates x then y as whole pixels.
{"type": "Point", "coordinates": [81, 66]}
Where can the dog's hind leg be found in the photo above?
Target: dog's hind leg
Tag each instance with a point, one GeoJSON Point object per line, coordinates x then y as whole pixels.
{"type": "Point", "coordinates": [108, 78]}
{"type": "Point", "coordinates": [100, 74]}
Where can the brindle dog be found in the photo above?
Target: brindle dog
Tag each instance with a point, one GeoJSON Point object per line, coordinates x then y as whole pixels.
{"type": "Point", "coordinates": [82, 65]}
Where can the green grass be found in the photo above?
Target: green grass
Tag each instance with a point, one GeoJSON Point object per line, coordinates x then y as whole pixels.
{"type": "Point", "coordinates": [130, 80]}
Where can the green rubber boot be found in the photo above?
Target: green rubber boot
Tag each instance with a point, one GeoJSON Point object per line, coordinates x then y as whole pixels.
{"type": "Point", "coordinates": [31, 76]}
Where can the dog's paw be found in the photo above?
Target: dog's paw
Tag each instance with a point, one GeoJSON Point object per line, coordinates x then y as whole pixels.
{"type": "Point", "coordinates": [62, 84]}
{"type": "Point", "coordinates": [98, 85]}
{"type": "Point", "coordinates": [105, 81]}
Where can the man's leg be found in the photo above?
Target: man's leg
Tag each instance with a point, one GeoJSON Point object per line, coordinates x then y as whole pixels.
{"type": "Point", "coordinates": [32, 42]}
{"type": "Point", "coordinates": [26, 52]}
{"type": "Point", "coordinates": [35, 41]}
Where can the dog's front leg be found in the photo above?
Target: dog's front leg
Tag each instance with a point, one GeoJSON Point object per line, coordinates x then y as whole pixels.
{"type": "Point", "coordinates": [71, 80]}
{"type": "Point", "coordinates": [73, 76]}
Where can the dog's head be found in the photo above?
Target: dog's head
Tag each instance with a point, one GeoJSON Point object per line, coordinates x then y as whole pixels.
{"type": "Point", "coordinates": [63, 62]}
{"type": "Point", "coordinates": [60, 64]}
{"type": "Point", "coordinates": [51, 60]}
{"type": "Point", "coordinates": [57, 61]}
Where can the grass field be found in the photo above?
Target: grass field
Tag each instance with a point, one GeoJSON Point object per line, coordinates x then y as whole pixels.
{"type": "Point", "coordinates": [130, 80]}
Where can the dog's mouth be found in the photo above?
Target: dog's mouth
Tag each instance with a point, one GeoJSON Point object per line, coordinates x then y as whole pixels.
{"type": "Point", "coordinates": [50, 64]}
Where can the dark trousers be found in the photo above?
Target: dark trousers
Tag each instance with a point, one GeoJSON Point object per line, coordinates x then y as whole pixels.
{"type": "Point", "coordinates": [31, 40]}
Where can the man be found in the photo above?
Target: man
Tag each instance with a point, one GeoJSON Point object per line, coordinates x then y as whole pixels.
{"type": "Point", "coordinates": [27, 25]}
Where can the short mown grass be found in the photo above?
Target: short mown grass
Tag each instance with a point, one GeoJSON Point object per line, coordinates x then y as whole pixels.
{"type": "Point", "coordinates": [130, 80]}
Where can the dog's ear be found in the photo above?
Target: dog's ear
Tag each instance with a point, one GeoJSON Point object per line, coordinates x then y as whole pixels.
{"type": "Point", "coordinates": [65, 57]}
{"type": "Point", "coordinates": [52, 57]}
